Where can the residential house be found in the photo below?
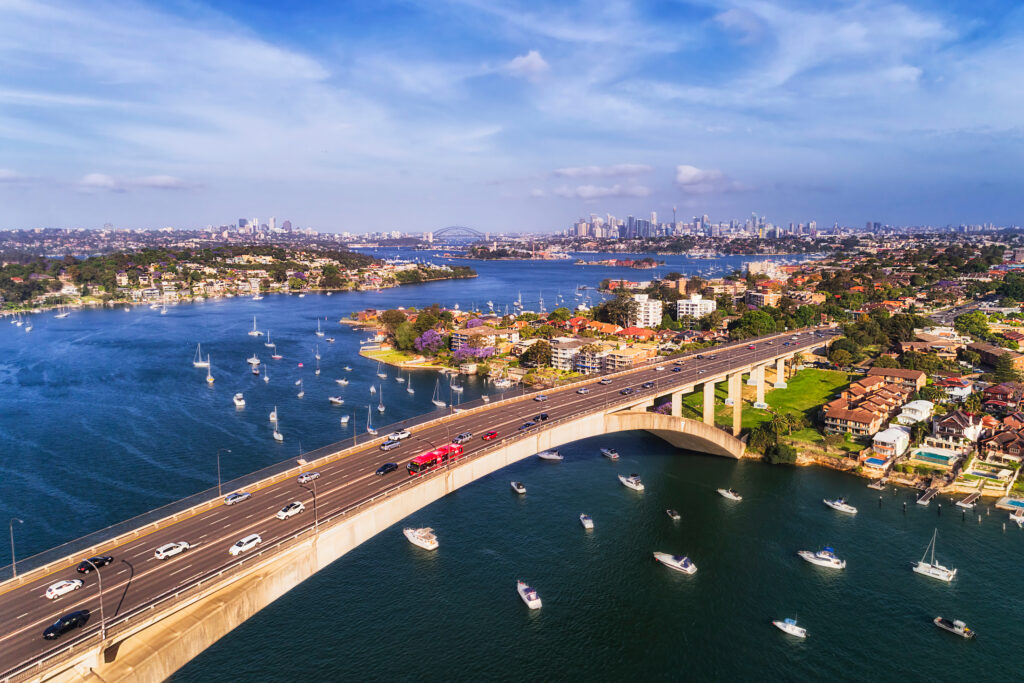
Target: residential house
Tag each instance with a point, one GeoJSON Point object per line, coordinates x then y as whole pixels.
{"type": "Point", "coordinates": [891, 443]}
{"type": "Point", "coordinates": [1005, 447]}
{"type": "Point", "coordinates": [956, 430]}
{"type": "Point", "coordinates": [1003, 397]}
{"type": "Point", "coordinates": [916, 411]}
{"type": "Point", "coordinates": [648, 311]}
{"type": "Point", "coordinates": [563, 350]}
{"type": "Point", "coordinates": [990, 353]}
{"type": "Point", "coordinates": [911, 379]}
{"type": "Point", "coordinates": [956, 388]}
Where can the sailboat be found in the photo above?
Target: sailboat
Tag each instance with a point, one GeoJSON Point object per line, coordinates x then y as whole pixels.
{"type": "Point", "coordinates": [408, 386]}
{"type": "Point", "coordinates": [273, 414]}
{"type": "Point", "coordinates": [266, 374]}
{"type": "Point", "coordinates": [437, 395]}
{"type": "Point", "coordinates": [62, 312]}
{"type": "Point", "coordinates": [317, 367]}
{"type": "Point", "coordinates": [933, 568]}
{"type": "Point", "coordinates": [198, 361]}
{"type": "Point", "coordinates": [268, 343]}
{"type": "Point", "coordinates": [319, 332]}
{"type": "Point", "coordinates": [373, 389]}
{"type": "Point", "coordinates": [163, 309]}
{"type": "Point", "coordinates": [302, 391]}
{"type": "Point", "coordinates": [275, 355]}
{"type": "Point", "coordinates": [254, 332]}
{"type": "Point", "coordinates": [316, 352]}
{"type": "Point", "coordinates": [400, 379]}
{"type": "Point", "coordinates": [380, 371]}
{"type": "Point", "coordinates": [209, 367]}
{"type": "Point", "coordinates": [380, 399]}
{"type": "Point", "coordinates": [278, 436]}
{"type": "Point", "coordinates": [369, 427]}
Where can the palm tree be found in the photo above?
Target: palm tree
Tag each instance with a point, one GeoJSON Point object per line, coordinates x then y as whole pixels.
{"type": "Point", "coordinates": [798, 359]}
{"type": "Point", "coordinates": [973, 403]}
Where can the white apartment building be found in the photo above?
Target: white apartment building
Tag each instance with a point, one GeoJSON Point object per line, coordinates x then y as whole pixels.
{"type": "Point", "coordinates": [648, 312]}
{"type": "Point", "coordinates": [695, 307]}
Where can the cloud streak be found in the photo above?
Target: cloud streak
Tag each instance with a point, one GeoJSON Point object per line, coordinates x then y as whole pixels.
{"type": "Point", "coordinates": [604, 171]}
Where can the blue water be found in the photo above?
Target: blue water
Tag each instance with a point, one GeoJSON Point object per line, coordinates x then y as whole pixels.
{"type": "Point", "coordinates": [104, 417]}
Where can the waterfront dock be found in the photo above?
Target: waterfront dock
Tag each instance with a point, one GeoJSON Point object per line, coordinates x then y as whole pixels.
{"type": "Point", "coordinates": [927, 496]}
{"type": "Point", "coordinates": [968, 502]}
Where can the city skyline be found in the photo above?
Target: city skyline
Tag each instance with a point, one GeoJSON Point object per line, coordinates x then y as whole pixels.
{"type": "Point", "coordinates": [508, 116]}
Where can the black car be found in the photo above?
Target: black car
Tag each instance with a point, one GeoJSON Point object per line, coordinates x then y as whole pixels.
{"type": "Point", "coordinates": [699, 356]}
{"type": "Point", "coordinates": [66, 623]}
{"type": "Point", "coordinates": [386, 468]}
{"type": "Point", "coordinates": [527, 425]}
{"type": "Point", "coordinates": [100, 561]}
{"type": "Point", "coordinates": [677, 369]}
{"type": "Point", "coordinates": [647, 385]}
{"type": "Point", "coordinates": [540, 418]}
{"type": "Point", "coordinates": [627, 391]}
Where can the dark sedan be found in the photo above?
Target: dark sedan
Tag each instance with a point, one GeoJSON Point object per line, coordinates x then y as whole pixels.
{"type": "Point", "coordinates": [627, 391]}
{"type": "Point", "coordinates": [386, 468]}
{"type": "Point", "coordinates": [527, 425]}
{"type": "Point", "coordinates": [67, 622]}
{"type": "Point", "coordinates": [540, 418]}
{"type": "Point", "coordinates": [100, 561]}
{"type": "Point", "coordinates": [647, 385]}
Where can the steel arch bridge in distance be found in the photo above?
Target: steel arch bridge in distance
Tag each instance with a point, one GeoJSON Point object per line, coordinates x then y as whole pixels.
{"type": "Point", "coordinates": [459, 232]}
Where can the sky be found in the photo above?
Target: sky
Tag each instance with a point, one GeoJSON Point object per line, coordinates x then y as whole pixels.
{"type": "Point", "coordinates": [507, 115]}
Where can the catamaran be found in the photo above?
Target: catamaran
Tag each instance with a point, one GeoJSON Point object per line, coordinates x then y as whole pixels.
{"type": "Point", "coordinates": [437, 395]}
{"type": "Point", "coordinates": [932, 568]}
{"type": "Point", "coordinates": [254, 332]}
{"type": "Point", "coordinates": [198, 360]}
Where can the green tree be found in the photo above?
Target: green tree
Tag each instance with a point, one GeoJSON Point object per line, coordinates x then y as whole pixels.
{"type": "Point", "coordinates": [886, 362]}
{"type": "Point", "coordinates": [1004, 369]}
{"type": "Point", "coordinates": [840, 357]}
{"type": "Point", "coordinates": [391, 319]}
{"type": "Point", "coordinates": [405, 336]}
{"type": "Point", "coordinates": [752, 324]}
{"type": "Point", "coordinates": [561, 313]}
{"type": "Point", "coordinates": [538, 355]}
{"type": "Point", "coordinates": [781, 454]}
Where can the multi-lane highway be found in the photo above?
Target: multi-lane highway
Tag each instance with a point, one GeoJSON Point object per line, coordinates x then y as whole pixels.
{"type": "Point", "coordinates": [136, 577]}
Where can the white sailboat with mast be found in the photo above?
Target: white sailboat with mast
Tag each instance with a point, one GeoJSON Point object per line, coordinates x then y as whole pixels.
{"type": "Point", "coordinates": [209, 368]}
{"type": "Point", "coordinates": [932, 568]}
{"type": "Point", "coordinates": [198, 361]}
{"type": "Point", "coordinates": [319, 332]}
{"type": "Point", "coordinates": [408, 386]}
{"type": "Point", "coordinates": [254, 332]}
{"type": "Point", "coordinates": [380, 399]}
{"type": "Point", "coordinates": [302, 391]}
{"type": "Point", "coordinates": [437, 395]}
{"type": "Point", "coordinates": [369, 426]}
{"type": "Point", "coordinates": [380, 371]}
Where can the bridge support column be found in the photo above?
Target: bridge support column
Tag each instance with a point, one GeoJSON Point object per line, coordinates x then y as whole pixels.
{"type": "Point", "coordinates": [736, 395]}
{"type": "Point", "coordinates": [709, 403]}
{"type": "Point", "coordinates": [759, 371]}
{"type": "Point", "coordinates": [780, 374]}
{"type": "Point", "coordinates": [677, 404]}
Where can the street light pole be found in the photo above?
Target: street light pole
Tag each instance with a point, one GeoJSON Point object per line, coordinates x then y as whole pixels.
{"type": "Point", "coordinates": [14, 563]}
{"type": "Point", "coordinates": [103, 621]}
{"type": "Point", "coordinates": [219, 492]}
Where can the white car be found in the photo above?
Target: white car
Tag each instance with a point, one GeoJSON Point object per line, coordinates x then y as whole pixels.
{"type": "Point", "coordinates": [540, 397]}
{"type": "Point", "coordinates": [247, 543]}
{"type": "Point", "coordinates": [399, 435]}
{"type": "Point", "coordinates": [171, 549]}
{"type": "Point", "coordinates": [61, 587]}
{"type": "Point", "coordinates": [583, 390]}
{"type": "Point", "coordinates": [606, 380]}
{"type": "Point", "coordinates": [290, 510]}
{"type": "Point", "coordinates": [307, 477]}
{"type": "Point", "coordinates": [659, 368]}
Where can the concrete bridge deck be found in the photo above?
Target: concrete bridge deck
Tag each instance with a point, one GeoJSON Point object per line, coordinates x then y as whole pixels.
{"type": "Point", "coordinates": [156, 615]}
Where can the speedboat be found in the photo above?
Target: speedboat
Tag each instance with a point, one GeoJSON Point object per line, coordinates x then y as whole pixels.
{"type": "Point", "coordinates": [730, 494]}
{"type": "Point", "coordinates": [344, 419]}
{"type": "Point", "coordinates": [529, 595]}
{"type": "Point", "coordinates": [330, 340]}
{"type": "Point", "coordinates": [680, 563]}
{"type": "Point", "coordinates": [423, 538]}
{"type": "Point", "coordinates": [826, 557]}
{"type": "Point", "coordinates": [932, 568]}
{"type": "Point", "coordinates": [610, 453]}
{"type": "Point", "coordinates": [632, 482]}
{"type": "Point", "coordinates": [348, 368]}
{"type": "Point", "coordinates": [239, 400]}
{"type": "Point", "coordinates": [673, 515]}
{"type": "Point", "coordinates": [256, 370]}
{"type": "Point", "coordinates": [518, 487]}
{"type": "Point", "coordinates": [550, 455]}
{"type": "Point", "coordinates": [958, 627]}
{"type": "Point", "coordinates": [587, 521]}
{"type": "Point", "coordinates": [342, 382]}
{"type": "Point", "coordinates": [841, 505]}
{"type": "Point", "coordinates": [789, 626]}
{"type": "Point", "coordinates": [336, 400]}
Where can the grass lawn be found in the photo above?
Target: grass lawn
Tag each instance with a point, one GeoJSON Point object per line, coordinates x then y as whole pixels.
{"type": "Point", "coordinates": [388, 356]}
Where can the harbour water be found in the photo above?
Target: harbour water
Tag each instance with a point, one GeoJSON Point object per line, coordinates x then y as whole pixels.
{"type": "Point", "coordinates": [105, 418]}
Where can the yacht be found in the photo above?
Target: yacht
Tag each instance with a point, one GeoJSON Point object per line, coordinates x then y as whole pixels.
{"type": "Point", "coordinates": [342, 382]}
{"type": "Point", "coordinates": [826, 557]}
{"type": "Point", "coordinates": [336, 400]}
{"type": "Point", "coordinates": [256, 370]}
{"type": "Point", "coordinates": [587, 521]}
{"type": "Point", "coordinates": [610, 453]}
{"type": "Point", "coordinates": [1018, 517]}
{"type": "Point", "coordinates": [254, 332]}
{"type": "Point", "coordinates": [373, 389]}
{"type": "Point", "coordinates": [423, 538]}
{"type": "Point", "coordinates": [278, 436]}
{"type": "Point", "coordinates": [956, 626]}
{"type": "Point", "coordinates": [408, 385]}
{"type": "Point", "coordinates": [266, 374]}
{"type": "Point", "coordinates": [400, 379]}
{"type": "Point", "coordinates": [239, 400]}
{"type": "Point", "coordinates": [680, 563]}
{"type": "Point", "coordinates": [275, 355]}
{"type": "Point", "coordinates": [437, 395]}
{"type": "Point", "coordinates": [316, 352]}
{"type": "Point", "coordinates": [932, 568]}
{"type": "Point", "coordinates": [457, 388]}
{"type": "Point", "coordinates": [257, 297]}
{"type": "Point", "coordinates": [550, 455]}
{"type": "Point", "coordinates": [518, 487]}
{"type": "Point", "coordinates": [673, 515]}
{"type": "Point", "coordinates": [198, 361]}
{"type": "Point", "coordinates": [789, 626]}
{"type": "Point", "coordinates": [348, 368]}
{"type": "Point", "coordinates": [529, 595]}
{"type": "Point", "coordinates": [730, 494]}
{"type": "Point", "coordinates": [330, 340]}
{"type": "Point", "coordinates": [369, 427]}
{"type": "Point", "coordinates": [302, 390]}
{"type": "Point", "coordinates": [268, 343]}
{"type": "Point", "coordinates": [380, 371]}
{"type": "Point", "coordinates": [209, 369]}
{"type": "Point", "coordinates": [319, 332]}
{"type": "Point", "coordinates": [380, 399]}
{"type": "Point", "coordinates": [254, 360]}
{"type": "Point", "coordinates": [841, 505]}
{"type": "Point", "coordinates": [273, 414]}
{"type": "Point", "coordinates": [632, 482]}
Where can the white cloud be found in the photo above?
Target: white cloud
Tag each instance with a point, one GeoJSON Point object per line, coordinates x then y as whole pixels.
{"type": "Point", "coordinates": [530, 66]}
{"type": "Point", "coordinates": [538, 192]}
{"type": "Point", "coordinates": [96, 182]}
{"type": "Point", "coordinates": [613, 170]}
{"type": "Point", "coordinates": [598, 192]}
{"type": "Point", "coordinates": [8, 175]}
{"type": "Point", "coordinates": [693, 180]}
{"type": "Point", "coordinates": [162, 182]}
{"type": "Point", "coordinates": [742, 22]}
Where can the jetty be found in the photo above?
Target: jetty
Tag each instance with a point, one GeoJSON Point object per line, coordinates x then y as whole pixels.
{"type": "Point", "coordinates": [968, 502]}
{"type": "Point", "coordinates": [927, 496]}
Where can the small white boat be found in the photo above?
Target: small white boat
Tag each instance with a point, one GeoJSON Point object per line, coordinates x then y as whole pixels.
{"type": "Point", "coordinates": [380, 371]}
{"type": "Point", "coordinates": [841, 505]}
{"type": "Point", "coordinates": [239, 400]}
{"type": "Point", "coordinates": [266, 374]}
{"type": "Point", "coordinates": [273, 414]}
{"type": "Point", "coordinates": [209, 370]}
{"type": "Point", "coordinates": [457, 388]}
{"type": "Point", "coordinates": [632, 482]}
{"type": "Point", "coordinates": [278, 436]}
{"type": "Point", "coordinates": [302, 296]}
{"type": "Point", "coordinates": [302, 391]}
{"type": "Point", "coordinates": [550, 455]}
{"type": "Point", "coordinates": [954, 626]}
{"type": "Point", "coordinates": [518, 487]}
{"type": "Point", "coordinates": [400, 379]}
{"type": "Point", "coordinates": [254, 332]}
{"type": "Point", "coordinates": [610, 453]}
{"type": "Point", "coordinates": [317, 371]}
{"type": "Point", "coordinates": [932, 568]}
{"type": "Point", "coordinates": [380, 399]}
{"type": "Point", "coordinates": [336, 400]}
{"type": "Point", "coordinates": [369, 427]}
{"type": "Point", "coordinates": [826, 557]}
{"type": "Point", "coordinates": [254, 360]}
{"type": "Point", "coordinates": [316, 352]}
{"type": "Point", "coordinates": [268, 343]}
{"type": "Point", "coordinates": [256, 370]}
{"type": "Point", "coordinates": [789, 626]}
{"type": "Point", "coordinates": [1018, 518]}
{"type": "Point", "coordinates": [730, 494]}
{"type": "Point", "coordinates": [424, 538]}
{"type": "Point", "coordinates": [344, 419]}
{"type": "Point", "coordinates": [348, 368]}
{"type": "Point", "coordinates": [373, 389]}
{"type": "Point", "coordinates": [408, 386]}
{"type": "Point", "coordinates": [319, 332]}
{"type": "Point", "coordinates": [198, 361]}
{"type": "Point", "coordinates": [528, 594]}
{"type": "Point", "coordinates": [680, 563]}
{"type": "Point", "coordinates": [437, 395]}
{"type": "Point", "coordinates": [587, 521]}
{"type": "Point", "coordinates": [673, 515]}
{"type": "Point", "coordinates": [330, 340]}
{"type": "Point", "coordinates": [342, 382]}
{"type": "Point", "coordinates": [257, 297]}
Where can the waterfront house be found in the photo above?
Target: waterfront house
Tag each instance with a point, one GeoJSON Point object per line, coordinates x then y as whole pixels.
{"type": "Point", "coordinates": [1005, 446]}
{"type": "Point", "coordinates": [854, 421]}
{"type": "Point", "coordinates": [1003, 397]}
{"type": "Point", "coordinates": [891, 443]}
{"type": "Point", "coordinates": [911, 379]}
{"type": "Point", "coordinates": [956, 430]}
{"type": "Point", "coordinates": [915, 411]}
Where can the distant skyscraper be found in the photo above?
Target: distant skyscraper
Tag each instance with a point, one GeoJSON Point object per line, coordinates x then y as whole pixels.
{"type": "Point", "coordinates": [287, 226]}
{"type": "Point", "coordinates": [273, 223]}
{"type": "Point", "coordinates": [242, 223]}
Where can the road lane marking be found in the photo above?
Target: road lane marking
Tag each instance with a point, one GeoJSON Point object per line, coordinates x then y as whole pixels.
{"type": "Point", "coordinates": [21, 615]}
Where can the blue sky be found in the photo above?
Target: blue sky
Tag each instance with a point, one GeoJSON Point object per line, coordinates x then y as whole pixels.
{"type": "Point", "coordinates": [509, 115]}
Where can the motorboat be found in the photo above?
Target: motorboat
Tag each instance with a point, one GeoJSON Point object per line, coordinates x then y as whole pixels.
{"type": "Point", "coordinates": [550, 455]}
{"type": "Point", "coordinates": [610, 453]}
{"type": "Point", "coordinates": [336, 400]}
{"type": "Point", "coordinates": [956, 626]}
{"type": "Point", "coordinates": [1018, 518]}
{"type": "Point", "coordinates": [255, 370]}
{"type": "Point", "coordinates": [254, 360]}
{"type": "Point", "coordinates": [528, 594]}
{"type": "Point", "coordinates": [424, 538]}
{"type": "Point", "coordinates": [330, 340]}
{"type": "Point", "coordinates": [587, 521]}
{"type": "Point", "coordinates": [518, 487]}
{"type": "Point", "coordinates": [239, 400]}
{"type": "Point", "coordinates": [680, 563]}
{"type": "Point", "coordinates": [826, 557]}
{"type": "Point", "coordinates": [632, 482]}
{"type": "Point", "coordinates": [348, 368]}
{"type": "Point", "coordinates": [344, 419]}
{"type": "Point", "coordinates": [673, 515]}
{"type": "Point", "coordinates": [342, 382]}
{"type": "Point", "coordinates": [932, 568]}
{"type": "Point", "coordinates": [789, 626]}
{"type": "Point", "coordinates": [730, 494]}
{"type": "Point", "coordinates": [841, 505]}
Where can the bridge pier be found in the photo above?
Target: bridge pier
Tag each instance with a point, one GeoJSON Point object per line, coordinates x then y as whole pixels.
{"type": "Point", "coordinates": [677, 404]}
{"type": "Point", "coordinates": [736, 396]}
{"type": "Point", "coordinates": [780, 374]}
{"type": "Point", "coordinates": [709, 403]}
{"type": "Point", "coordinates": [759, 373]}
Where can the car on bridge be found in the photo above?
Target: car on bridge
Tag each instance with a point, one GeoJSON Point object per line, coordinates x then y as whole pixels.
{"type": "Point", "coordinates": [527, 425]}
{"type": "Point", "coordinates": [63, 587]}
{"type": "Point", "coordinates": [307, 477]}
{"type": "Point", "coordinates": [540, 417]}
{"type": "Point", "coordinates": [389, 444]}
{"type": "Point", "coordinates": [84, 567]}
{"type": "Point", "coordinates": [237, 497]}
{"type": "Point", "coordinates": [659, 368]}
{"type": "Point", "coordinates": [700, 356]}
{"type": "Point", "coordinates": [66, 623]}
{"type": "Point", "coordinates": [290, 510]}
{"type": "Point", "coordinates": [399, 435]}
{"type": "Point", "coordinates": [540, 397]}
{"type": "Point", "coordinates": [170, 550]}
{"type": "Point", "coordinates": [463, 437]}
{"type": "Point", "coordinates": [583, 390]}
{"type": "Point", "coordinates": [606, 381]}
{"type": "Point", "coordinates": [647, 385]}
{"type": "Point", "coordinates": [627, 391]}
{"type": "Point", "coordinates": [247, 543]}
{"type": "Point", "coordinates": [751, 347]}
{"type": "Point", "coordinates": [490, 436]}
{"type": "Point", "coordinates": [386, 468]}
{"type": "Point", "coordinates": [677, 369]}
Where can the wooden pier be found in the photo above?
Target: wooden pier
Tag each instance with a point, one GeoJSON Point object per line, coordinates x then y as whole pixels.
{"type": "Point", "coordinates": [968, 502]}
{"type": "Point", "coordinates": [927, 496]}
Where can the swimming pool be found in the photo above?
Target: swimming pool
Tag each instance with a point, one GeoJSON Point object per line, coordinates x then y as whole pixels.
{"type": "Point", "coordinates": [877, 462]}
{"type": "Point", "coordinates": [1015, 502]}
{"type": "Point", "coordinates": [933, 457]}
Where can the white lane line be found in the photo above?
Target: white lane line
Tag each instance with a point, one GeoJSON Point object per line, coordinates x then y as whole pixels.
{"type": "Point", "coordinates": [248, 516]}
{"type": "Point", "coordinates": [203, 536]}
{"type": "Point", "coordinates": [179, 570]}
{"type": "Point", "coordinates": [21, 615]}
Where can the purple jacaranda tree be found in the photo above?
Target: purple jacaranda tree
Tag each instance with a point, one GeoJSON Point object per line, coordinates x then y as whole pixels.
{"type": "Point", "coordinates": [468, 353]}
{"type": "Point", "coordinates": [475, 322]}
{"type": "Point", "coordinates": [428, 342]}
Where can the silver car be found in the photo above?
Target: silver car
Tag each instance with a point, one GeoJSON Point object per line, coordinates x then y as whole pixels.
{"type": "Point", "coordinates": [247, 543]}
{"type": "Point", "coordinates": [171, 549]}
